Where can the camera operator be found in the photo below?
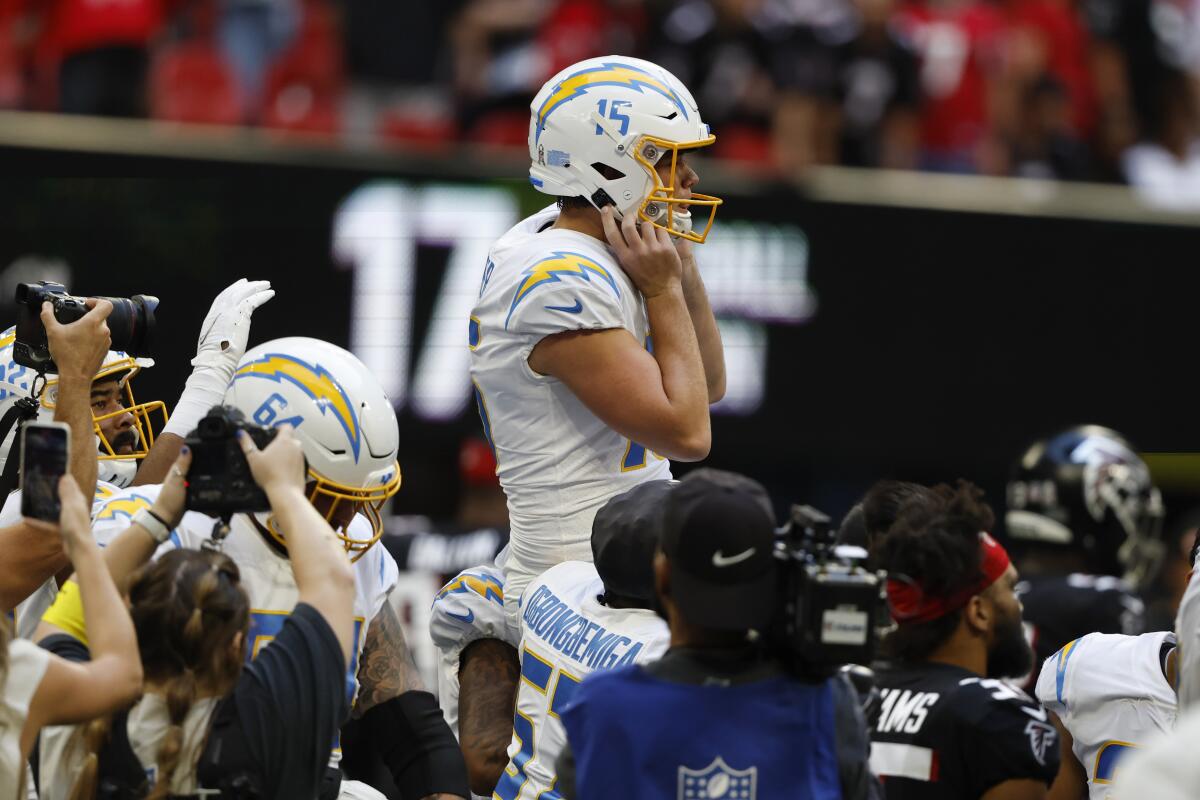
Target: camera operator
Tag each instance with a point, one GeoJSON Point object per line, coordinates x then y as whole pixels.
{"type": "Point", "coordinates": [948, 727]}
{"type": "Point", "coordinates": [205, 722]}
{"type": "Point", "coordinates": [38, 688]}
{"type": "Point", "coordinates": [28, 558]}
{"type": "Point", "coordinates": [716, 716]}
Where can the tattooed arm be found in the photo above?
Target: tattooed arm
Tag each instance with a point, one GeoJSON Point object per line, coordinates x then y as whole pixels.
{"type": "Point", "coordinates": [487, 678]}
{"type": "Point", "coordinates": [415, 743]}
{"type": "Point", "coordinates": [387, 669]}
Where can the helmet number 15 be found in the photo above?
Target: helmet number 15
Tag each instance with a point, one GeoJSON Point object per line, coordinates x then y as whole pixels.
{"type": "Point", "coordinates": [614, 113]}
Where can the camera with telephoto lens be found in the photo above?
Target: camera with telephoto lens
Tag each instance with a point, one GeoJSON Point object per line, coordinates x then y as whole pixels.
{"type": "Point", "coordinates": [830, 604]}
{"type": "Point", "coordinates": [219, 482]}
{"type": "Point", "coordinates": [131, 323]}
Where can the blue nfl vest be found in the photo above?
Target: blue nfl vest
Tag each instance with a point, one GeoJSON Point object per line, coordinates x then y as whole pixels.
{"type": "Point", "coordinates": [637, 736]}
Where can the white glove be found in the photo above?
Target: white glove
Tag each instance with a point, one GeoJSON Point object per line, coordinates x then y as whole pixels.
{"type": "Point", "coordinates": [223, 337]}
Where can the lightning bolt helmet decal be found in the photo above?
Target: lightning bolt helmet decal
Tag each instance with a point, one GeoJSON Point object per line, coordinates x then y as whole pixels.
{"type": "Point", "coordinates": [315, 381]}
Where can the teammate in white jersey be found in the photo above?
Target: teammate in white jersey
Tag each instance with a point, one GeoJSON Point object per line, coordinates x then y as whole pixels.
{"type": "Point", "coordinates": [578, 618]}
{"type": "Point", "coordinates": [80, 349]}
{"type": "Point", "coordinates": [595, 353]}
{"type": "Point", "coordinates": [125, 443]}
{"type": "Point", "coordinates": [348, 430]}
{"type": "Point", "coordinates": [1111, 693]}
{"type": "Point", "coordinates": [477, 670]}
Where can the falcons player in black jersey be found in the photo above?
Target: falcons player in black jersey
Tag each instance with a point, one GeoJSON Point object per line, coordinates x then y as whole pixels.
{"type": "Point", "coordinates": [947, 727]}
{"type": "Point", "coordinates": [1085, 521]}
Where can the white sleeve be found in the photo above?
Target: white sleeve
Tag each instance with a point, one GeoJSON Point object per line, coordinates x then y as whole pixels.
{"type": "Point", "coordinates": [1187, 630]}
{"type": "Point", "coordinates": [116, 514]}
{"type": "Point", "coordinates": [580, 294]}
{"type": "Point", "coordinates": [376, 574]}
{"type": "Point", "coordinates": [469, 607]}
{"type": "Point", "coordinates": [1046, 690]}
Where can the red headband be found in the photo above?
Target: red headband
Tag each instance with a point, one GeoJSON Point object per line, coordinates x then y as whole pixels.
{"type": "Point", "coordinates": [909, 602]}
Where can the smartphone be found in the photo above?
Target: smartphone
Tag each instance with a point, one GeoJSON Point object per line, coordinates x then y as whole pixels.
{"type": "Point", "coordinates": [44, 449]}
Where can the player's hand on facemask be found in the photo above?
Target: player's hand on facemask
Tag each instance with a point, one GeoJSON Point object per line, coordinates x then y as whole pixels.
{"type": "Point", "coordinates": [79, 347]}
{"type": "Point", "coordinates": [172, 498]}
{"type": "Point", "coordinates": [644, 252]}
{"type": "Point", "coordinates": [226, 328]}
{"type": "Point", "coordinates": [278, 467]}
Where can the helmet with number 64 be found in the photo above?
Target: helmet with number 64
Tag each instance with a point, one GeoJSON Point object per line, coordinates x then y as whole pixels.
{"type": "Point", "coordinates": [343, 419]}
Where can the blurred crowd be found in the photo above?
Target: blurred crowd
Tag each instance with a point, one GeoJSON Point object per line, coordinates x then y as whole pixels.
{"type": "Point", "coordinates": [1101, 90]}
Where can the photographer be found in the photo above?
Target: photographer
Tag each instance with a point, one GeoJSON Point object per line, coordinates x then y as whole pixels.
{"type": "Point", "coordinates": [348, 430]}
{"type": "Point", "coordinates": [717, 713]}
{"type": "Point", "coordinates": [28, 558]}
{"type": "Point", "coordinates": [205, 722]}
{"type": "Point", "coordinates": [948, 727]}
{"type": "Point", "coordinates": [42, 689]}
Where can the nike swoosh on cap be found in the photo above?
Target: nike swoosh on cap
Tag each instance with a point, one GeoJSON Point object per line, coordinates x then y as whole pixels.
{"type": "Point", "coordinates": [721, 560]}
{"type": "Point", "coordinates": [575, 309]}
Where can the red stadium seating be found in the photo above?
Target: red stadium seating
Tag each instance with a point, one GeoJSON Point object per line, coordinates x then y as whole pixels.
{"type": "Point", "coordinates": [191, 83]}
{"type": "Point", "coordinates": [304, 86]}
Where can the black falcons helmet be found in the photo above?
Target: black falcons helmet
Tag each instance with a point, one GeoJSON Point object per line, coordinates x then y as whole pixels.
{"type": "Point", "coordinates": [1087, 488]}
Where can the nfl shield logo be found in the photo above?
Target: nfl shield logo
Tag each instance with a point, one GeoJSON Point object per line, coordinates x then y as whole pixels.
{"type": "Point", "coordinates": [717, 781]}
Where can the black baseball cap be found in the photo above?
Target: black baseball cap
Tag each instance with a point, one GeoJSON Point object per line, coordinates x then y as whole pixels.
{"type": "Point", "coordinates": [718, 532]}
{"type": "Point", "coordinates": [625, 534]}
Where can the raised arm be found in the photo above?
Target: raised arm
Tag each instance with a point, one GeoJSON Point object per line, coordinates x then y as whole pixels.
{"type": "Point", "coordinates": [223, 337]}
{"type": "Point", "coordinates": [319, 562]}
{"type": "Point", "coordinates": [659, 399]}
{"type": "Point", "coordinates": [77, 692]}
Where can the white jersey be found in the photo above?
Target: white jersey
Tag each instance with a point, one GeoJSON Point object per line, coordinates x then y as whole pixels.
{"type": "Point", "coordinates": [28, 612]}
{"type": "Point", "coordinates": [469, 607]}
{"type": "Point", "coordinates": [1111, 695]}
{"type": "Point", "coordinates": [557, 461]}
{"type": "Point", "coordinates": [23, 674]}
{"type": "Point", "coordinates": [1166, 769]}
{"type": "Point", "coordinates": [266, 575]}
{"type": "Point", "coordinates": [1187, 629]}
{"type": "Point", "coordinates": [566, 634]}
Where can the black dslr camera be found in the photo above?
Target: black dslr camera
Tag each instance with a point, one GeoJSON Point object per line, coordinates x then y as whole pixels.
{"type": "Point", "coordinates": [830, 605]}
{"type": "Point", "coordinates": [219, 482]}
{"type": "Point", "coordinates": [131, 322]}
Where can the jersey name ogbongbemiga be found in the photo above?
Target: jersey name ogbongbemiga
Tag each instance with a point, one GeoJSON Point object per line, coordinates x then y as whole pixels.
{"type": "Point", "coordinates": [557, 461]}
{"type": "Point", "coordinates": [266, 575]}
{"type": "Point", "coordinates": [1110, 693]}
{"type": "Point", "coordinates": [566, 634]}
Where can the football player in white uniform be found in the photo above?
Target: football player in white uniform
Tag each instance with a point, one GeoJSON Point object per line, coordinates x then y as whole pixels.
{"type": "Point", "coordinates": [595, 353]}
{"type": "Point", "coordinates": [126, 445]}
{"type": "Point", "coordinates": [1110, 693]}
{"type": "Point", "coordinates": [347, 427]}
{"type": "Point", "coordinates": [578, 618]}
{"type": "Point", "coordinates": [32, 558]}
{"type": "Point", "coordinates": [477, 670]}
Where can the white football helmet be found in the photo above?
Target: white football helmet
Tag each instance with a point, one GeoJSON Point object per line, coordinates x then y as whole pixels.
{"type": "Point", "coordinates": [116, 468]}
{"type": "Point", "coordinates": [598, 129]}
{"type": "Point", "coordinates": [342, 417]}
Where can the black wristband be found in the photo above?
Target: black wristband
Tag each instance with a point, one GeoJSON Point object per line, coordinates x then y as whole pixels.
{"type": "Point", "coordinates": [418, 746]}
